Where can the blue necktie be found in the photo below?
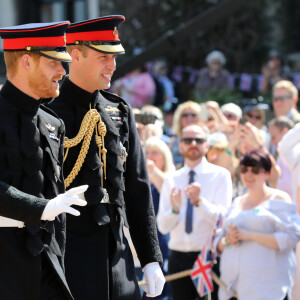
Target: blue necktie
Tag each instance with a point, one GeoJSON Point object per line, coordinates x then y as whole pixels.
{"type": "Point", "coordinates": [189, 209]}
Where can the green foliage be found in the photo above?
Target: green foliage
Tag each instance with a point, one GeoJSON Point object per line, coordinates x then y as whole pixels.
{"type": "Point", "coordinates": [242, 36]}
{"type": "Point", "coordinates": [220, 96]}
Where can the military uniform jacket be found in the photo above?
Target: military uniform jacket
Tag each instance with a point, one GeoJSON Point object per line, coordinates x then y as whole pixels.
{"type": "Point", "coordinates": [31, 157]}
{"type": "Point", "coordinates": [127, 184]}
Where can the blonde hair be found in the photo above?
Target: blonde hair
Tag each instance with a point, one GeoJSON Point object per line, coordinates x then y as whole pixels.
{"type": "Point", "coordinates": [263, 115]}
{"type": "Point", "coordinates": [288, 85]}
{"type": "Point", "coordinates": [158, 144]}
{"type": "Point", "coordinates": [11, 58]}
{"type": "Point", "coordinates": [176, 126]}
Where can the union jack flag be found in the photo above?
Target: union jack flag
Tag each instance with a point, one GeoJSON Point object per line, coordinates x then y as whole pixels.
{"type": "Point", "coordinates": [201, 273]}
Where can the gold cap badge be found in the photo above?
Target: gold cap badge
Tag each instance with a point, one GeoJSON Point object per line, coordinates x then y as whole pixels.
{"type": "Point", "coordinates": [115, 31]}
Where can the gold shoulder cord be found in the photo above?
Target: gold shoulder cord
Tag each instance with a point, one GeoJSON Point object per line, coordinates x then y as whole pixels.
{"type": "Point", "coordinates": [88, 124]}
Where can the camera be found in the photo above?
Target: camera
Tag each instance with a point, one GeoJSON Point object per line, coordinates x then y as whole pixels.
{"type": "Point", "coordinates": [243, 120]}
{"type": "Point", "coordinates": [145, 118]}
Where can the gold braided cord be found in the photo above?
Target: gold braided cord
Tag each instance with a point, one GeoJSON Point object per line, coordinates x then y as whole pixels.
{"type": "Point", "coordinates": [102, 132]}
{"type": "Point", "coordinates": [87, 127]}
{"type": "Point", "coordinates": [68, 143]}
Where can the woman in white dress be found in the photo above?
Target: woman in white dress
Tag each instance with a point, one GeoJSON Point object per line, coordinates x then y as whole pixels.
{"type": "Point", "coordinates": [258, 237]}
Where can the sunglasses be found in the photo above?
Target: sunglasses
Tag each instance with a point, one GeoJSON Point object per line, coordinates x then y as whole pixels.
{"type": "Point", "coordinates": [188, 115]}
{"type": "Point", "coordinates": [256, 117]}
{"type": "Point", "coordinates": [281, 99]}
{"type": "Point", "coordinates": [230, 116]}
{"type": "Point", "coordinates": [255, 170]}
{"type": "Point", "coordinates": [189, 141]}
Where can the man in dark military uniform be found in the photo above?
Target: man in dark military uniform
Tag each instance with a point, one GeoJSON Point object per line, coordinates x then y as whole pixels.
{"type": "Point", "coordinates": [103, 151]}
{"type": "Point", "coordinates": [32, 198]}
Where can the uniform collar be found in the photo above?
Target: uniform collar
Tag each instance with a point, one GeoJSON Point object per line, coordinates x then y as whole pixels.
{"type": "Point", "coordinates": [19, 99]}
{"type": "Point", "coordinates": [77, 95]}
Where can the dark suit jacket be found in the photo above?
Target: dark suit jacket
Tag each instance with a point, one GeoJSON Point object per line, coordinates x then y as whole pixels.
{"type": "Point", "coordinates": [30, 175]}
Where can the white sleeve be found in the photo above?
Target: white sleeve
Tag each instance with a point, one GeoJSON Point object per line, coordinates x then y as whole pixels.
{"type": "Point", "coordinates": [166, 219]}
{"type": "Point", "coordinates": [289, 147]}
{"type": "Point", "coordinates": [286, 240]}
{"type": "Point", "coordinates": [212, 209]}
{"type": "Point", "coordinates": [287, 229]}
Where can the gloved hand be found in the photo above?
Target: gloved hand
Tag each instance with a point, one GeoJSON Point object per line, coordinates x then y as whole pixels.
{"type": "Point", "coordinates": [155, 279]}
{"type": "Point", "coordinates": [62, 203]}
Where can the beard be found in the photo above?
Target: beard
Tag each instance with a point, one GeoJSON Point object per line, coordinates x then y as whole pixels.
{"type": "Point", "coordinates": [43, 86]}
{"type": "Point", "coordinates": [193, 154]}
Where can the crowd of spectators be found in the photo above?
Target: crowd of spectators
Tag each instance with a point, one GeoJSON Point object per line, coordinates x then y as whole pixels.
{"type": "Point", "coordinates": [258, 143]}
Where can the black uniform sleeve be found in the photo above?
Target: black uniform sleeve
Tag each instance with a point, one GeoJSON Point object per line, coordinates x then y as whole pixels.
{"type": "Point", "coordinates": [62, 132]}
{"type": "Point", "coordinates": [138, 199]}
{"type": "Point", "coordinates": [20, 206]}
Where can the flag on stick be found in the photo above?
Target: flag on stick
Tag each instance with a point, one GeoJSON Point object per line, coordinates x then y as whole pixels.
{"type": "Point", "coordinates": [201, 273]}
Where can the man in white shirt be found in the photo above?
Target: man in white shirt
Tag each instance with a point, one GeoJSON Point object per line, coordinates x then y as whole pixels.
{"type": "Point", "coordinates": [284, 100]}
{"type": "Point", "coordinates": [189, 211]}
{"type": "Point", "coordinates": [289, 150]}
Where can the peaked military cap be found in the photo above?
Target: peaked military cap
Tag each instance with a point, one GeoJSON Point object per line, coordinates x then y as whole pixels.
{"type": "Point", "coordinates": [47, 39]}
{"type": "Point", "coordinates": [99, 34]}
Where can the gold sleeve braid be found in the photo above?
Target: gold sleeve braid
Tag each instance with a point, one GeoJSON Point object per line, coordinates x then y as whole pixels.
{"type": "Point", "coordinates": [87, 127]}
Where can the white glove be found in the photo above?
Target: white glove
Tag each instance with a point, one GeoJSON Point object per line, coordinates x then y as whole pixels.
{"type": "Point", "coordinates": [62, 203]}
{"type": "Point", "coordinates": [155, 279]}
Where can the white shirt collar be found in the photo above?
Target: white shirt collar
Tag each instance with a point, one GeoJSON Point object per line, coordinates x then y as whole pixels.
{"type": "Point", "coordinates": [200, 168]}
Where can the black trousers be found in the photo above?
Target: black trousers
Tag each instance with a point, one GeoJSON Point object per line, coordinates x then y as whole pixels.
{"type": "Point", "coordinates": [100, 267]}
{"type": "Point", "coordinates": [51, 287]}
{"type": "Point", "coordinates": [184, 289]}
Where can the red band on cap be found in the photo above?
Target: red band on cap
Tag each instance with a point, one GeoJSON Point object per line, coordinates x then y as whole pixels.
{"type": "Point", "coordinates": [92, 36]}
{"type": "Point", "coordinates": [22, 43]}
